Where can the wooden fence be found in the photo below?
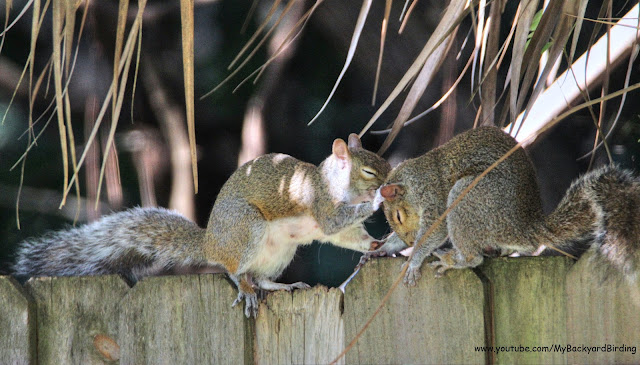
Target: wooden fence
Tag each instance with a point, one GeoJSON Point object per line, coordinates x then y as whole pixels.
{"type": "Point", "coordinates": [511, 304]}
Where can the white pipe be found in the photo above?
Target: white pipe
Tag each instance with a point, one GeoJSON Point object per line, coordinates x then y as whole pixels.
{"type": "Point", "coordinates": [566, 88]}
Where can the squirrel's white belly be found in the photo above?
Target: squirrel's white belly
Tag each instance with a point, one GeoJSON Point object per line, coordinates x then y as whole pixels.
{"type": "Point", "coordinates": [281, 239]}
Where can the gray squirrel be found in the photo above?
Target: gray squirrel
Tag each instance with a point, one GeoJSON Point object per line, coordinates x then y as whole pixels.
{"type": "Point", "coordinates": [265, 210]}
{"type": "Point", "coordinates": [504, 211]}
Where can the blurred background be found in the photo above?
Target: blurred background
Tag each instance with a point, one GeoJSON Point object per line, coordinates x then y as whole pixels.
{"type": "Point", "coordinates": [149, 161]}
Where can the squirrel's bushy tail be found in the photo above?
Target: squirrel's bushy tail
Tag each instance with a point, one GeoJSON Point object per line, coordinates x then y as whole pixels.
{"type": "Point", "coordinates": [133, 243]}
{"type": "Point", "coordinates": [601, 209]}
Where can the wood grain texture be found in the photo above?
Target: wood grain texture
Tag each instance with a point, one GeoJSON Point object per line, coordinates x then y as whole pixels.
{"type": "Point", "coordinates": [603, 310]}
{"type": "Point", "coordinates": [301, 327]}
{"type": "Point", "coordinates": [506, 302]}
{"type": "Point", "coordinates": [529, 307]}
{"type": "Point", "coordinates": [439, 320]}
{"type": "Point", "coordinates": [17, 324]}
{"type": "Point", "coordinates": [184, 320]}
{"type": "Point", "coordinates": [71, 311]}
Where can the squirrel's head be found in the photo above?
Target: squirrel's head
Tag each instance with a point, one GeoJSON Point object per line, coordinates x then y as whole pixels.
{"type": "Point", "coordinates": [402, 216]}
{"type": "Point", "coordinates": [367, 170]}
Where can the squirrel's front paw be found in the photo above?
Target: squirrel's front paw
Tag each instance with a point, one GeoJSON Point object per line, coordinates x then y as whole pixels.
{"type": "Point", "coordinates": [298, 285]}
{"type": "Point", "coordinates": [412, 275]}
{"type": "Point", "coordinates": [377, 200]}
{"type": "Point", "coordinates": [371, 254]}
{"type": "Point", "coordinates": [251, 303]}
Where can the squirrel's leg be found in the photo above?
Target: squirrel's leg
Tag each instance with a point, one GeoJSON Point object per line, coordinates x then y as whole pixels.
{"type": "Point", "coordinates": [463, 219]}
{"type": "Point", "coordinates": [355, 238]}
{"type": "Point", "coordinates": [342, 216]}
{"type": "Point", "coordinates": [455, 259]}
{"type": "Point", "coordinates": [246, 293]}
{"type": "Point", "coordinates": [415, 262]}
{"type": "Point", "coordinates": [235, 236]}
{"type": "Point", "coordinates": [267, 284]}
{"type": "Point", "coordinates": [422, 249]}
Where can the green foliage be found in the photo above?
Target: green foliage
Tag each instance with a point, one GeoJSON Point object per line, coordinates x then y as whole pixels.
{"type": "Point", "coordinates": [532, 29]}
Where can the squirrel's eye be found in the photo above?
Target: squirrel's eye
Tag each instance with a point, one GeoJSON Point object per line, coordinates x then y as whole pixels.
{"type": "Point", "coordinates": [368, 173]}
{"type": "Point", "coordinates": [399, 216]}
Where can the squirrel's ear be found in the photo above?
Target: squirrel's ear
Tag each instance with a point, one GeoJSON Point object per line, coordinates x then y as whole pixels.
{"type": "Point", "coordinates": [340, 149]}
{"type": "Point", "coordinates": [391, 191]}
{"type": "Point", "coordinates": [354, 141]}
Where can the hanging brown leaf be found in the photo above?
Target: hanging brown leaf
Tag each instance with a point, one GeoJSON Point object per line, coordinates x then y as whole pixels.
{"type": "Point", "coordinates": [186, 12]}
{"type": "Point", "coordinates": [383, 36]}
{"type": "Point", "coordinates": [489, 84]}
{"type": "Point", "coordinates": [528, 10]}
{"type": "Point", "coordinates": [362, 17]}
{"type": "Point", "coordinates": [452, 17]}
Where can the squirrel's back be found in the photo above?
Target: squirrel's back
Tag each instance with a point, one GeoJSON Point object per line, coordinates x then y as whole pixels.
{"type": "Point", "coordinates": [289, 195]}
{"type": "Point", "coordinates": [134, 243]}
{"type": "Point", "coordinates": [503, 209]}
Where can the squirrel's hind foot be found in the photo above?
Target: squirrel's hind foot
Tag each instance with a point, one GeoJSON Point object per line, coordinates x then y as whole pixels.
{"type": "Point", "coordinates": [251, 303]}
{"type": "Point", "coordinates": [451, 259]}
{"type": "Point", "coordinates": [440, 268]}
{"type": "Point", "coordinates": [445, 262]}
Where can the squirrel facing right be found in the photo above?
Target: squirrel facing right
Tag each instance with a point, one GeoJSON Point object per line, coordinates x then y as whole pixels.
{"type": "Point", "coordinates": [504, 211]}
{"type": "Point", "coordinates": [266, 209]}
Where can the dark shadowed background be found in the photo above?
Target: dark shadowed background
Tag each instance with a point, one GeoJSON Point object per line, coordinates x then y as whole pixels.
{"type": "Point", "coordinates": [270, 116]}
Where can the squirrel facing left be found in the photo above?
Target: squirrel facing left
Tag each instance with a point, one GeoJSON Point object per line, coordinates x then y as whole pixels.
{"type": "Point", "coordinates": [504, 211]}
{"type": "Point", "coordinates": [267, 208]}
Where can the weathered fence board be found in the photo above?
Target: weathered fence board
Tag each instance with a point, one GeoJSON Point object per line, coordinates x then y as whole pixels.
{"type": "Point", "coordinates": [542, 302]}
{"type": "Point", "coordinates": [303, 327]}
{"type": "Point", "coordinates": [17, 325]}
{"type": "Point", "coordinates": [439, 320]}
{"type": "Point", "coordinates": [529, 308]}
{"type": "Point", "coordinates": [183, 320]}
{"type": "Point", "coordinates": [602, 312]}
{"type": "Point", "coordinates": [71, 312]}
